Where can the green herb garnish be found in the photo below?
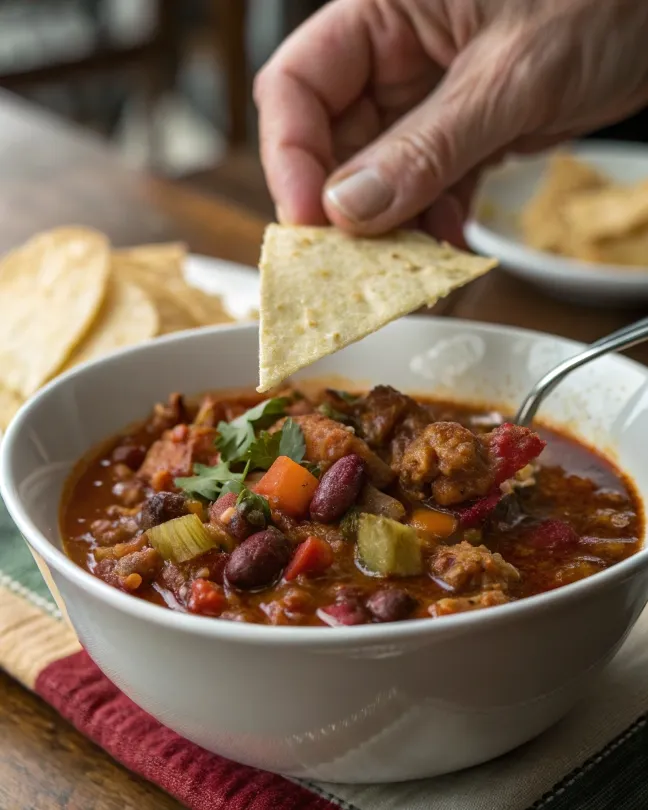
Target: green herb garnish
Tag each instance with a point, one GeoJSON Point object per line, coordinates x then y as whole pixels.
{"type": "Point", "coordinates": [267, 447]}
{"type": "Point", "coordinates": [209, 482]}
{"type": "Point", "coordinates": [236, 437]}
{"type": "Point", "coordinates": [292, 442]}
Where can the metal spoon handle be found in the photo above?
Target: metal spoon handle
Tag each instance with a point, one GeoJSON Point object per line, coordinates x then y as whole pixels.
{"type": "Point", "coordinates": [624, 338]}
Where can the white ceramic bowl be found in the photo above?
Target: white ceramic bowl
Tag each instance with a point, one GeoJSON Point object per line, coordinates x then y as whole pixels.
{"type": "Point", "coordinates": [361, 704]}
{"type": "Point", "coordinates": [494, 230]}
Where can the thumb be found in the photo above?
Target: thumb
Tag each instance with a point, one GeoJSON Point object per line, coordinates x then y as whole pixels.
{"type": "Point", "coordinates": [483, 104]}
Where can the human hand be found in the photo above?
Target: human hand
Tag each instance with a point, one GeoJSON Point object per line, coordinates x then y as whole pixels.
{"type": "Point", "coordinates": [381, 113]}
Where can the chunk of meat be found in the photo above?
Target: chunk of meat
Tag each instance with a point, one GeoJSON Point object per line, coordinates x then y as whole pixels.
{"type": "Point", "coordinates": [460, 604]}
{"type": "Point", "coordinates": [381, 411]}
{"type": "Point", "coordinates": [166, 415]}
{"type": "Point", "coordinates": [176, 454]}
{"type": "Point", "coordinates": [388, 420]}
{"type": "Point", "coordinates": [327, 441]}
{"type": "Point", "coordinates": [146, 563]}
{"type": "Point", "coordinates": [468, 568]}
{"type": "Point", "coordinates": [451, 459]}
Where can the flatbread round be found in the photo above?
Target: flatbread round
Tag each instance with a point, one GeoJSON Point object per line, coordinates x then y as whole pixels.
{"type": "Point", "coordinates": [127, 317]}
{"type": "Point", "coordinates": [51, 289]}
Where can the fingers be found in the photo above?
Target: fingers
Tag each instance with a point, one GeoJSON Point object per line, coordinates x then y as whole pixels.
{"type": "Point", "coordinates": [481, 106]}
{"type": "Point", "coordinates": [318, 72]}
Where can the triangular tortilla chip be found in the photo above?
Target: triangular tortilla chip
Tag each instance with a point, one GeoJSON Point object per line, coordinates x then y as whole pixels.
{"type": "Point", "coordinates": [322, 290]}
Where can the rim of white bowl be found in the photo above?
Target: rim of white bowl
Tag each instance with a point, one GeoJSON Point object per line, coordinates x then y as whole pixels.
{"type": "Point", "coordinates": [308, 637]}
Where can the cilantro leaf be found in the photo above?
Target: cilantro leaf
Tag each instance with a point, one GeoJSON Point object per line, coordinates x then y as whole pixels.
{"type": "Point", "coordinates": [292, 442]}
{"type": "Point", "coordinates": [233, 440]}
{"type": "Point", "coordinates": [208, 482]}
{"type": "Point", "coordinates": [289, 441]}
{"type": "Point", "coordinates": [255, 508]}
{"type": "Point", "coordinates": [236, 437]}
{"type": "Point", "coordinates": [265, 450]}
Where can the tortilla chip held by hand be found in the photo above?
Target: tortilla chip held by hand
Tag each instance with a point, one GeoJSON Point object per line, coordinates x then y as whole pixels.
{"type": "Point", "coordinates": [322, 290]}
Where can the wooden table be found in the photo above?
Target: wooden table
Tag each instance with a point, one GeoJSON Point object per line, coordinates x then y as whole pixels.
{"type": "Point", "coordinates": [50, 175]}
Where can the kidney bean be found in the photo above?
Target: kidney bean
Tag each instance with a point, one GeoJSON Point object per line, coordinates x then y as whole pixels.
{"type": "Point", "coordinates": [129, 454]}
{"type": "Point", "coordinates": [338, 489]}
{"type": "Point", "coordinates": [390, 605]}
{"type": "Point", "coordinates": [161, 507]}
{"type": "Point", "coordinates": [346, 611]}
{"type": "Point", "coordinates": [225, 512]}
{"type": "Point", "coordinates": [220, 506]}
{"type": "Point", "coordinates": [259, 561]}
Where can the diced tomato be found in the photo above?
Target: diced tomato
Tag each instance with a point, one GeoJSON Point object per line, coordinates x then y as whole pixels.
{"type": "Point", "coordinates": [288, 486]}
{"type": "Point", "coordinates": [313, 556]}
{"type": "Point", "coordinates": [552, 534]}
{"type": "Point", "coordinates": [514, 447]}
{"type": "Point", "coordinates": [479, 510]}
{"type": "Point", "coordinates": [206, 598]}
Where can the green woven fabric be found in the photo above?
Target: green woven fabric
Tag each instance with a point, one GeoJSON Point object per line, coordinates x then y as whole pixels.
{"type": "Point", "coordinates": [16, 563]}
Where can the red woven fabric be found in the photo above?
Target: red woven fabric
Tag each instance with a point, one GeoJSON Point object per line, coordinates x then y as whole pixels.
{"type": "Point", "coordinates": [83, 695]}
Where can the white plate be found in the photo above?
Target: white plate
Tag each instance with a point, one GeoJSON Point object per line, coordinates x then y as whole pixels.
{"type": "Point", "coordinates": [494, 229]}
{"type": "Point", "coordinates": [237, 284]}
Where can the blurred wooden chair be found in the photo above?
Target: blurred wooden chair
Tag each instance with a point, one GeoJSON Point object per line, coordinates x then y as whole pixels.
{"type": "Point", "coordinates": [151, 62]}
{"type": "Point", "coordinates": [239, 177]}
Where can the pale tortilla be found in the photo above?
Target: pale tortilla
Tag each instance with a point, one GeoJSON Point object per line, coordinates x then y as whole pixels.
{"type": "Point", "coordinates": [322, 290]}
{"type": "Point", "coordinates": [51, 289]}
{"type": "Point", "coordinates": [127, 317]}
{"type": "Point", "coordinates": [542, 220]}
{"type": "Point", "coordinates": [159, 270]}
{"type": "Point", "coordinates": [630, 250]}
{"type": "Point", "coordinates": [607, 213]}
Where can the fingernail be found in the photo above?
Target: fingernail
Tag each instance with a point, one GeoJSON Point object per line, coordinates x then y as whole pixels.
{"type": "Point", "coordinates": [361, 196]}
{"type": "Point", "coordinates": [280, 216]}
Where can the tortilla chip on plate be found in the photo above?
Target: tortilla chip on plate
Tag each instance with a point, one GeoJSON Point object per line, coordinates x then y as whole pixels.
{"type": "Point", "coordinates": [605, 213]}
{"type": "Point", "coordinates": [159, 270]}
{"type": "Point", "coordinates": [51, 289]}
{"type": "Point", "coordinates": [322, 290]}
{"type": "Point", "coordinates": [630, 250]}
{"type": "Point", "coordinates": [127, 317]}
{"type": "Point", "coordinates": [542, 219]}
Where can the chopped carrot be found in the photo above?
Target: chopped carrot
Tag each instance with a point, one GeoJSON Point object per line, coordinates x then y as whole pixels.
{"type": "Point", "coordinates": [288, 487]}
{"type": "Point", "coordinates": [162, 481]}
{"type": "Point", "coordinates": [433, 523]}
{"type": "Point", "coordinates": [313, 556]}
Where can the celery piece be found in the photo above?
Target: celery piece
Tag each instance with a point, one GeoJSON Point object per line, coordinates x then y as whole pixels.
{"type": "Point", "coordinates": [181, 539]}
{"type": "Point", "coordinates": [388, 548]}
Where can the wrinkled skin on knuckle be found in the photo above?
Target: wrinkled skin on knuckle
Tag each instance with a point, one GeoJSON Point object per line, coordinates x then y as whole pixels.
{"type": "Point", "coordinates": [418, 157]}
